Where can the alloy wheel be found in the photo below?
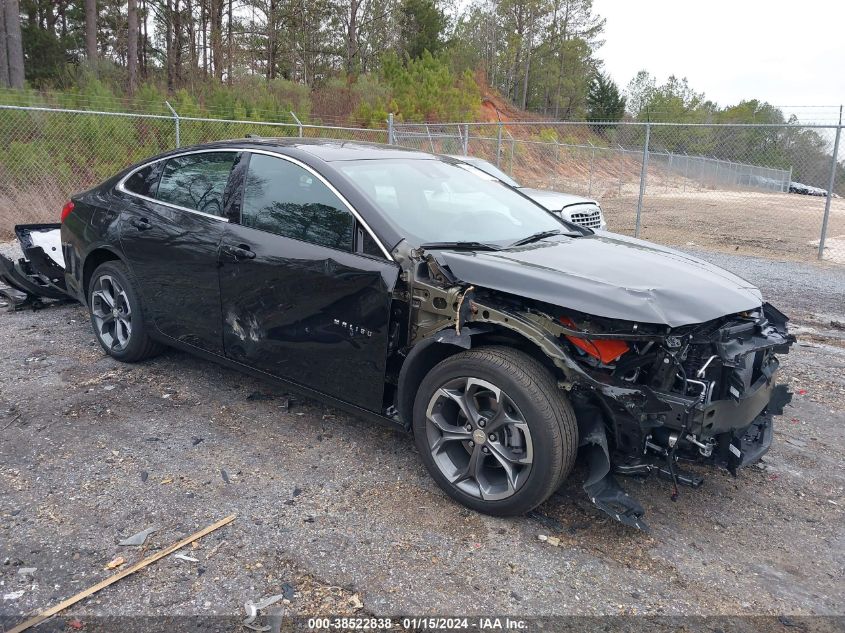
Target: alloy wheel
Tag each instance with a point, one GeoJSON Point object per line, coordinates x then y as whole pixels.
{"type": "Point", "coordinates": [478, 438]}
{"type": "Point", "coordinates": [112, 313]}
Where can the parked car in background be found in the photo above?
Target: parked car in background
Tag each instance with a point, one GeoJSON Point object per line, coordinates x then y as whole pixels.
{"type": "Point", "coordinates": [807, 190]}
{"type": "Point", "coordinates": [576, 209]}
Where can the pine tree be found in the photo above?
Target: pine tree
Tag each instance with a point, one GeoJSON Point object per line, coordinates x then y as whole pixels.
{"type": "Point", "coordinates": [604, 103]}
{"type": "Point", "coordinates": [422, 24]}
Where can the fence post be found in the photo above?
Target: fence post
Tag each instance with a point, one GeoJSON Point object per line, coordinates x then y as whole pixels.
{"type": "Point", "coordinates": [671, 169]}
{"type": "Point", "coordinates": [592, 161]}
{"type": "Point", "coordinates": [643, 172]}
{"type": "Point", "coordinates": [430, 140]}
{"type": "Point", "coordinates": [788, 180]}
{"type": "Point", "coordinates": [390, 129]}
{"type": "Point", "coordinates": [176, 119]}
{"type": "Point", "coordinates": [499, 144]}
{"type": "Point", "coordinates": [466, 139]}
{"type": "Point", "coordinates": [298, 122]}
{"type": "Point", "coordinates": [513, 143]}
{"type": "Point", "coordinates": [830, 184]}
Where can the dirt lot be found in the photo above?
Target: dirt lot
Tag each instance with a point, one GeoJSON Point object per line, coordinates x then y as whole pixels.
{"type": "Point", "coordinates": [341, 516]}
{"type": "Point", "coordinates": [679, 213]}
{"type": "Point", "coordinates": [777, 225]}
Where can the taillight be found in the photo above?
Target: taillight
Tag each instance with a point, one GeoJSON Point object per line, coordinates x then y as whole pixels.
{"type": "Point", "coordinates": [66, 210]}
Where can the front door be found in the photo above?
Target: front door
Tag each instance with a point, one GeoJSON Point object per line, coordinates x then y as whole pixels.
{"type": "Point", "coordinates": [298, 301]}
{"type": "Point", "coordinates": [170, 233]}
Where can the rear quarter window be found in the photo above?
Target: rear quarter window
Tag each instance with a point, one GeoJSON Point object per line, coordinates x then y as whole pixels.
{"type": "Point", "coordinates": [143, 182]}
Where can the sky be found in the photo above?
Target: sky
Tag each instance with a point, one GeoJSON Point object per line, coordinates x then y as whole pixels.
{"type": "Point", "coordinates": [791, 54]}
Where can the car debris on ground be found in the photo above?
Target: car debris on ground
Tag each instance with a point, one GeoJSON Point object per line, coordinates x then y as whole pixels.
{"type": "Point", "coordinates": [47, 613]}
{"type": "Point", "coordinates": [140, 537]}
{"type": "Point", "coordinates": [253, 608]}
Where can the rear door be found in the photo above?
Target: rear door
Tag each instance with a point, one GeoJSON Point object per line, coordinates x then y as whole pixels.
{"type": "Point", "coordinates": [171, 228]}
{"type": "Point", "coordinates": [306, 293]}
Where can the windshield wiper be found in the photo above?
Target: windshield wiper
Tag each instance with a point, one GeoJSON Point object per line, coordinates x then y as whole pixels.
{"type": "Point", "coordinates": [475, 246]}
{"type": "Point", "coordinates": [538, 236]}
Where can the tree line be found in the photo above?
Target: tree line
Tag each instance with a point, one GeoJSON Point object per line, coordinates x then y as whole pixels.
{"type": "Point", "coordinates": [538, 53]}
{"type": "Point", "coordinates": [357, 60]}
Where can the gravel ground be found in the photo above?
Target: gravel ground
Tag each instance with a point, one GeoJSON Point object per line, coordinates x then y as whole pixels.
{"type": "Point", "coordinates": [805, 291]}
{"type": "Point", "coordinates": [342, 511]}
{"type": "Point", "coordinates": [10, 249]}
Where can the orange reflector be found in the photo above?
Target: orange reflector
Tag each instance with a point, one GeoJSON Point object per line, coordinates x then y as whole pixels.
{"type": "Point", "coordinates": [606, 350]}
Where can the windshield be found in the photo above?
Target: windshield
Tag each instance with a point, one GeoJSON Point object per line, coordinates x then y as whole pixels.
{"type": "Point", "coordinates": [434, 201]}
{"type": "Point", "coordinates": [491, 169]}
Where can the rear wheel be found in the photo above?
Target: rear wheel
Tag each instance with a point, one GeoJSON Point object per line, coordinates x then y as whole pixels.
{"type": "Point", "coordinates": [117, 316]}
{"type": "Point", "coordinates": [494, 430]}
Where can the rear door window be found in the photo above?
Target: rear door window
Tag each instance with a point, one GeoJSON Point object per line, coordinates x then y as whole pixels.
{"type": "Point", "coordinates": [283, 198]}
{"type": "Point", "coordinates": [197, 181]}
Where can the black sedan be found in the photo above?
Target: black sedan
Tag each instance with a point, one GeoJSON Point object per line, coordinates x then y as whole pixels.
{"type": "Point", "coordinates": [418, 291]}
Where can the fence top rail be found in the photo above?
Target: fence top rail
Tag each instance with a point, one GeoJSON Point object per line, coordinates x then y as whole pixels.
{"type": "Point", "coordinates": [308, 126]}
{"type": "Point", "coordinates": [412, 125]}
{"type": "Point", "coordinates": [171, 117]}
{"type": "Point", "coordinates": [405, 135]}
{"type": "Point", "coordinates": [818, 126]}
{"type": "Point", "coordinates": [166, 117]}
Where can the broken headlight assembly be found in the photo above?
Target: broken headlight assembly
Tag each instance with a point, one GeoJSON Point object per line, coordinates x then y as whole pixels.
{"type": "Point", "coordinates": [655, 395]}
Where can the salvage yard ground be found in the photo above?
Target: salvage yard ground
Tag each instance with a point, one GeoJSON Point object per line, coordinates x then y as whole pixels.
{"type": "Point", "coordinates": [342, 511]}
{"type": "Point", "coordinates": [776, 225]}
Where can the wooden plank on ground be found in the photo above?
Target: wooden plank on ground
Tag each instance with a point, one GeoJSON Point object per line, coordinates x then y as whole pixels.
{"type": "Point", "coordinates": [23, 626]}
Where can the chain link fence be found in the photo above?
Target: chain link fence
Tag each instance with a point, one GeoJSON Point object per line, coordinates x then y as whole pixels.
{"type": "Point", "coordinates": [753, 189]}
{"type": "Point", "coordinates": [49, 154]}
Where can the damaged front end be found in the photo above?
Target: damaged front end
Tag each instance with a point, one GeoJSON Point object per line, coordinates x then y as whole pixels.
{"type": "Point", "coordinates": [40, 273]}
{"type": "Point", "coordinates": [703, 393]}
{"type": "Point", "coordinates": [646, 395]}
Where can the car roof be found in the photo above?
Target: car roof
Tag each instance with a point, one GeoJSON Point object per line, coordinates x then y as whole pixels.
{"type": "Point", "coordinates": [327, 150]}
{"type": "Point", "coordinates": [468, 159]}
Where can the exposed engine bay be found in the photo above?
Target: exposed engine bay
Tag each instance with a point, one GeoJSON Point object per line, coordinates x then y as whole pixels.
{"type": "Point", "coordinates": [647, 396]}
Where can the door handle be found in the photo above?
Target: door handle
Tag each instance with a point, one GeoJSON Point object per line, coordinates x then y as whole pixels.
{"type": "Point", "coordinates": [142, 224]}
{"type": "Point", "coordinates": [241, 252]}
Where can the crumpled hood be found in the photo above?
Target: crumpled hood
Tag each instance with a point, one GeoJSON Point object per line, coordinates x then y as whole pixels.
{"type": "Point", "coordinates": [555, 200]}
{"type": "Point", "coordinates": [611, 276]}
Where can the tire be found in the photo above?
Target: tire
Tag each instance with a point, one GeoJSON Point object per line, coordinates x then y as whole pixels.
{"type": "Point", "coordinates": [530, 456]}
{"type": "Point", "coordinates": [117, 314]}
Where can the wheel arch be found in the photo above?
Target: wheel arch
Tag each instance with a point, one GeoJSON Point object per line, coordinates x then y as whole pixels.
{"type": "Point", "coordinates": [93, 260]}
{"type": "Point", "coordinates": [430, 351]}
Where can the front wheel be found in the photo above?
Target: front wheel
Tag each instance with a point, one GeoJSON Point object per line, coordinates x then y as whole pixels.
{"type": "Point", "coordinates": [494, 430]}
